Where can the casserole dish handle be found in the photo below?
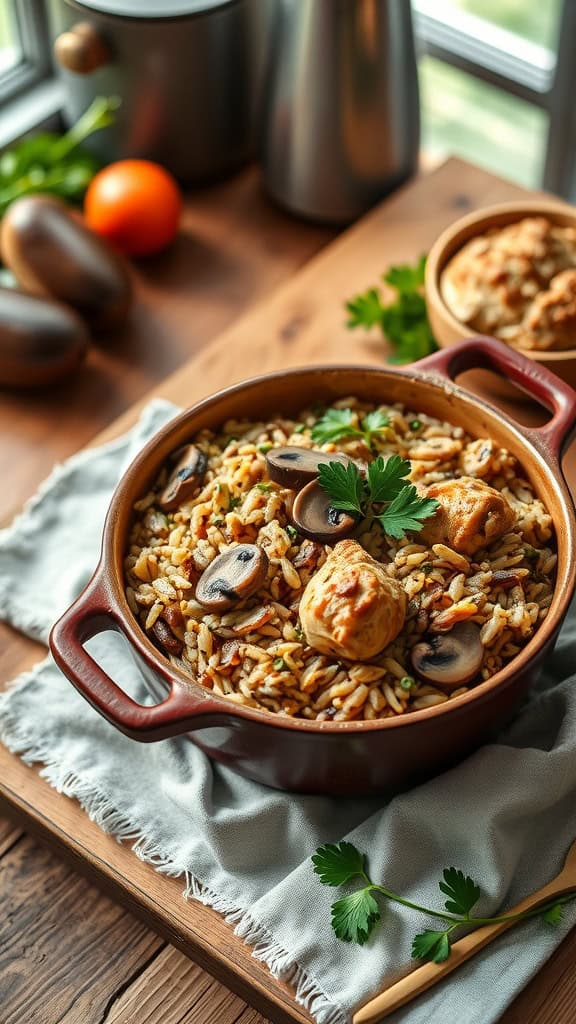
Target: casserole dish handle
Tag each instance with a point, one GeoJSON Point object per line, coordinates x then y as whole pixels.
{"type": "Point", "coordinates": [182, 710]}
{"type": "Point", "coordinates": [538, 382]}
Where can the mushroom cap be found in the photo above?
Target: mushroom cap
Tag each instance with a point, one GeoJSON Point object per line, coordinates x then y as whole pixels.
{"type": "Point", "coordinates": [232, 576]}
{"type": "Point", "coordinates": [449, 660]}
{"type": "Point", "coordinates": [186, 476]}
{"type": "Point", "coordinates": [295, 467]}
{"type": "Point", "coordinates": [316, 518]}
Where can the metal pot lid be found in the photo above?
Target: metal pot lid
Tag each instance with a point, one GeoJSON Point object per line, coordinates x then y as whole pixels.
{"type": "Point", "coordinates": [153, 8]}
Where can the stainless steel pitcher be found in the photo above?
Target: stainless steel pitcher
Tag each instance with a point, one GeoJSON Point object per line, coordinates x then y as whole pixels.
{"type": "Point", "coordinates": [341, 118]}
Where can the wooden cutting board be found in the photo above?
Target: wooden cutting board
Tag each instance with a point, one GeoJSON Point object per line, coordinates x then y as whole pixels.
{"type": "Point", "coordinates": [303, 322]}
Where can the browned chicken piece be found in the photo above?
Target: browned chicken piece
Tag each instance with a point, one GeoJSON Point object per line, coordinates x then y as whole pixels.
{"type": "Point", "coordinates": [471, 515]}
{"type": "Point", "coordinates": [351, 608]}
{"type": "Point", "coordinates": [551, 319]}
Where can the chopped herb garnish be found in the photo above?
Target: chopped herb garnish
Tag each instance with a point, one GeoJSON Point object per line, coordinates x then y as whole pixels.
{"type": "Point", "coordinates": [383, 494]}
{"type": "Point", "coordinates": [234, 502]}
{"type": "Point", "coordinates": [403, 322]}
{"type": "Point", "coordinates": [292, 532]}
{"type": "Point", "coordinates": [299, 428]}
{"type": "Point", "coordinates": [265, 448]}
{"type": "Point", "coordinates": [354, 916]}
{"type": "Point", "coordinates": [406, 683]}
{"type": "Point", "coordinates": [415, 425]}
{"type": "Point", "coordinates": [56, 164]}
{"type": "Point", "coordinates": [337, 424]}
{"type": "Point", "coordinates": [264, 487]}
{"type": "Point", "coordinates": [280, 665]}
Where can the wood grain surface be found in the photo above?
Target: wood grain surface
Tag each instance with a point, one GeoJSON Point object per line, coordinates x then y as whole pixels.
{"type": "Point", "coordinates": [92, 961]}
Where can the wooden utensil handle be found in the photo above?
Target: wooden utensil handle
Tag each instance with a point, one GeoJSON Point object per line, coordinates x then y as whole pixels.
{"type": "Point", "coordinates": [428, 974]}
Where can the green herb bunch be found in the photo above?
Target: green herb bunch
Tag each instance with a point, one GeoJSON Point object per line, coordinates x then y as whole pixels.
{"type": "Point", "coordinates": [55, 163]}
{"type": "Point", "coordinates": [336, 424]}
{"type": "Point", "coordinates": [382, 494]}
{"type": "Point", "coordinates": [354, 916]}
{"type": "Point", "coordinates": [403, 322]}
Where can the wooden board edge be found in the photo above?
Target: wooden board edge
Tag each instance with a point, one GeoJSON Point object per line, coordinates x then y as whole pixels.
{"type": "Point", "coordinates": [273, 998]}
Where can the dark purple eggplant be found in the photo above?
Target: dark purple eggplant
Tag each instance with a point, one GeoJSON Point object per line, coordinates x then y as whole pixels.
{"type": "Point", "coordinates": [40, 341]}
{"type": "Point", "coordinates": [53, 254]}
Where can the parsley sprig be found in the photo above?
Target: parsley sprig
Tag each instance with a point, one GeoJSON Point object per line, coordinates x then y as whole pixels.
{"type": "Point", "coordinates": [383, 494]}
{"type": "Point", "coordinates": [355, 915]}
{"type": "Point", "coordinates": [337, 424]}
{"type": "Point", "coordinates": [403, 322]}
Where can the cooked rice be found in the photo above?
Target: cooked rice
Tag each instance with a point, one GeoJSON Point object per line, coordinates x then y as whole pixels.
{"type": "Point", "coordinates": [256, 654]}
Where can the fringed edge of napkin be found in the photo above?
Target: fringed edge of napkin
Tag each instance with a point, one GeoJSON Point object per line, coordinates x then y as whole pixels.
{"type": "Point", "coordinates": [103, 813]}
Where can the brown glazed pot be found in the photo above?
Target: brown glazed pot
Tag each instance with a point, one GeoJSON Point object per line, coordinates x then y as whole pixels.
{"type": "Point", "coordinates": [329, 757]}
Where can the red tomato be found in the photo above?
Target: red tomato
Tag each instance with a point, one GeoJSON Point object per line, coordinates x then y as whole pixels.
{"type": "Point", "coordinates": [135, 204]}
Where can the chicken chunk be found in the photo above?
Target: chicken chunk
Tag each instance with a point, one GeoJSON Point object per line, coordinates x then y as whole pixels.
{"type": "Point", "coordinates": [351, 608]}
{"type": "Point", "coordinates": [471, 515]}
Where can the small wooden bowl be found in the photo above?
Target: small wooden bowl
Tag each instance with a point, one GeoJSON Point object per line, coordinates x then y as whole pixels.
{"type": "Point", "coordinates": [445, 327]}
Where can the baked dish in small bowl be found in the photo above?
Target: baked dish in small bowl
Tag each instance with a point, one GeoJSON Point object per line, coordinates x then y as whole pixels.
{"type": "Point", "coordinates": [509, 272]}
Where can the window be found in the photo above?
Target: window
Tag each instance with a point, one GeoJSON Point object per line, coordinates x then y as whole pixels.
{"type": "Point", "coordinates": [497, 81]}
{"type": "Point", "coordinates": [24, 46]}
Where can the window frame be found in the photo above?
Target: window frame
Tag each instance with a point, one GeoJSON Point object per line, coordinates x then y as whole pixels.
{"type": "Point", "coordinates": [32, 96]}
{"type": "Point", "coordinates": [35, 62]}
{"type": "Point", "coordinates": [524, 69]}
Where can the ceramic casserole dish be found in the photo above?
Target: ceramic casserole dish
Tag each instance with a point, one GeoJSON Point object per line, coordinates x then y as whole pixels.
{"type": "Point", "coordinates": [326, 756]}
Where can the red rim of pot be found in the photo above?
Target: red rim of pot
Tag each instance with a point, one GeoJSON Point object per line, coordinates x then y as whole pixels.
{"type": "Point", "coordinates": [103, 604]}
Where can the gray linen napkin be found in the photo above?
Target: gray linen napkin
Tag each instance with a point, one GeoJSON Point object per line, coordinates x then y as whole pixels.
{"type": "Point", "coordinates": [506, 815]}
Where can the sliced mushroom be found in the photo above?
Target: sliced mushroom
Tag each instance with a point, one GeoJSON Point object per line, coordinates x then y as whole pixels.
{"type": "Point", "coordinates": [166, 639]}
{"type": "Point", "coordinates": [449, 660]}
{"type": "Point", "coordinates": [316, 518]}
{"type": "Point", "coordinates": [248, 621]}
{"type": "Point", "coordinates": [232, 576]}
{"type": "Point", "coordinates": [295, 467]}
{"type": "Point", "coordinates": [186, 476]}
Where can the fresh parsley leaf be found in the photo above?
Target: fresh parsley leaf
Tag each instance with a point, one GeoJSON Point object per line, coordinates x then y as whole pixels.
{"type": "Point", "coordinates": [373, 423]}
{"type": "Point", "coordinates": [280, 665]}
{"type": "Point", "coordinates": [411, 344]}
{"type": "Point", "coordinates": [462, 892]}
{"type": "Point", "coordinates": [431, 945]}
{"type": "Point", "coordinates": [406, 278]}
{"type": "Point", "coordinates": [386, 477]}
{"type": "Point", "coordinates": [337, 863]}
{"type": "Point", "coordinates": [554, 914]}
{"type": "Point", "coordinates": [365, 310]}
{"type": "Point", "coordinates": [403, 322]}
{"type": "Point", "coordinates": [52, 163]}
{"type": "Point", "coordinates": [343, 484]}
{"type": "Point", "coordinates": [334, 425]}
{"type": "Point", "coordinates": [406, 512]}
{"type": "Point", "coordinates": [337, 424]}
{"type": "Point", "coordinates": [354, 916]}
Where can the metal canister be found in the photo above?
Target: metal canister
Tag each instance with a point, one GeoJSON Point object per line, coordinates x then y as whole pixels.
{"type": "Point", "coordinates": [188, 73]}
{"type": "Point", "coordinates": [341, 120]}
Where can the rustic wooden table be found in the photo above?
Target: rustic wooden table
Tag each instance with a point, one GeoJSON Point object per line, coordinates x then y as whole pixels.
{"type": "Point", "coordinates": [69, 955]}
